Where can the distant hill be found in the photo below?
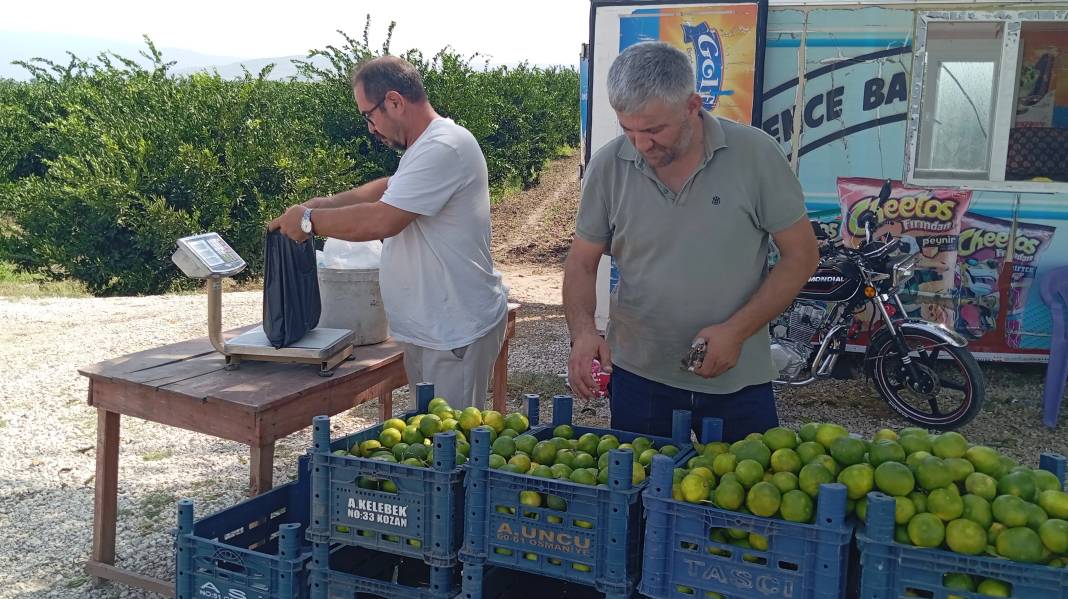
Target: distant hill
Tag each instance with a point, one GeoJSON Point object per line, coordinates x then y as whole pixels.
{"type": "Point", "coordinates": [21, 45]}
{"type": "Point", "coordinates": [283, 67]}
{"type": "Point", "coordinates": [53, 46]}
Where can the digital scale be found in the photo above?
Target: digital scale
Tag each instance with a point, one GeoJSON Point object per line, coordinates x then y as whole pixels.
{"type": "Point", "coordinates": [208, 257]}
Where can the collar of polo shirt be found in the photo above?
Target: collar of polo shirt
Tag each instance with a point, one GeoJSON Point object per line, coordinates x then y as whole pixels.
{"type": "Point", "coordinates": [715, 139]}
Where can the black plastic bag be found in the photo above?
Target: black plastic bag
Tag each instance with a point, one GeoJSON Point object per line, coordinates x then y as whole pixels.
{"type": "Point", "coordinates": [291, 304]}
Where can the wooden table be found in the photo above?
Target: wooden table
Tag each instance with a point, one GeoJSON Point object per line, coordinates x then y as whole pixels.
{"type": "Point", "coordinates": [185, 385]}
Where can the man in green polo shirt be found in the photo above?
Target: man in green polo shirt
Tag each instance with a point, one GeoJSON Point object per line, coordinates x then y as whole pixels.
{"type": "Point", "coordinates": [686, 204]}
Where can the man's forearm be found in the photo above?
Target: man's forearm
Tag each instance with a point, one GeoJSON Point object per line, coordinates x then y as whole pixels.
{"type": "Point", "coordinates": [350, 223]}
{"type": "Point", "coordinates": [364, 194]}
{"type": "Point", "coordinates": [580, 299]}
{"type": "Point", "coordinates": [774, 295]}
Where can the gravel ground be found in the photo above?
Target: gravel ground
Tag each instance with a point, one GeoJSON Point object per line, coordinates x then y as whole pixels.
{"type": "Point", "coordinates": [48, 433]}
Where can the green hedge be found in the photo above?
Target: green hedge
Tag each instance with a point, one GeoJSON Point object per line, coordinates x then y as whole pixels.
{"type": "Point", "coordinates": [104, 164]}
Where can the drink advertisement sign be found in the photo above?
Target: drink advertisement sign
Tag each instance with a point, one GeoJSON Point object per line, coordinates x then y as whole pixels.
{"type": "Point", "coordinates": [723, 42]}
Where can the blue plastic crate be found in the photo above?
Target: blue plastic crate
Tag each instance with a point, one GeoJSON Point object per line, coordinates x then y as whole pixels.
{"type": "Point", "coordinates": [348, 572]}
{"type": "Point", "coordinates": [596, 541]}
{"type": "Point", "coordinates": [422, 519]}
{"type": "Point", "coordinates": [682, 559]}
{"type": "Point", "coordinates": [494, 582]}
{"type": "Point", "coordinates": [896, 570]}
{"type": "Point", "coordinates": [253, 550]}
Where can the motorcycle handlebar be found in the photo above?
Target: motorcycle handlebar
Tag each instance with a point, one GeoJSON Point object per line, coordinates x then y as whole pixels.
{"type": "Point", "coordinates": [884, 193]}
{"type": "Point", "coordinates": [879, 252]}
{"type": "Point", "coordinates": [871, 254]}
{"type": "Point", "coordinates": [868, 219]}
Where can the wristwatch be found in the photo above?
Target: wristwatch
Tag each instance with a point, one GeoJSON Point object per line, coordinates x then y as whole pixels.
{"type": "Point", "coordinates": [305, 223]}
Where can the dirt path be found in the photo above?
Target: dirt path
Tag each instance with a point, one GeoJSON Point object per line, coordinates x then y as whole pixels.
{"type": "Point", "coordinates": [535, 226]}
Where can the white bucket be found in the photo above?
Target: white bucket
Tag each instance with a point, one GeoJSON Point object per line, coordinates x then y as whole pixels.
{"type": "Point", "coordinates": [351, 299]}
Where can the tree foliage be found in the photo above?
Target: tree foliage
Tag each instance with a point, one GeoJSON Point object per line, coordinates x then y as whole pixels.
{"type": "Point", "coordinates": [104, 163]}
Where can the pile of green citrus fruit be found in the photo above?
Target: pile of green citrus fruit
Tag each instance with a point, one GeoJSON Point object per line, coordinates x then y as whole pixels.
{"type": "Point", "coordinates": [774, 474]}
{"type": "Point", "coordinates": [990, 587]}
{"type": "Point", "coordinates": [967, 498]}
{"type": "Point", "coordinates": [948, 493]}
{"type": "Point", "coordinates": [411, 442]}
{"type": "Point", "coordinates": [582, 460]}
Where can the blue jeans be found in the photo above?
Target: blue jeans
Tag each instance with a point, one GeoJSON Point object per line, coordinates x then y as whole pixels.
{"type": "Point", "coordinates": [644, 406]}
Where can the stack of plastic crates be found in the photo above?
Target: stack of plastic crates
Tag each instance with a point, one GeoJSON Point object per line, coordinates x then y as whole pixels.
{"type": "Point", "coordinates": [686, 556]}
{"type": "Point", "coordinates": [590, 536]}
{"type": "Point", "coordinates": [253, 550]}
{"type": "Point", "coordinates": [400, 544]}
{"type": "Point", "coordinates": [895, 570]}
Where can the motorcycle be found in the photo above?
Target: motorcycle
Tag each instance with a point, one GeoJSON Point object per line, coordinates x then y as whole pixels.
{"type": "Point", "coordinates": [923, 370]}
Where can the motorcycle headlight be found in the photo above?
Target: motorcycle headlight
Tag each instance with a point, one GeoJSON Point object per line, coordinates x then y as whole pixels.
{"type": "Point", "coordinates": [903, 269]}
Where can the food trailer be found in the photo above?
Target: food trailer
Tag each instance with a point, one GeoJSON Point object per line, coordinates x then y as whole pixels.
{"type": "Point", "coordinates": [963, 105]}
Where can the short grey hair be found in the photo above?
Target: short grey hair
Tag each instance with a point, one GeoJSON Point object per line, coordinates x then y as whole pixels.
{"type": "Point", "coordinates": [648, 71]}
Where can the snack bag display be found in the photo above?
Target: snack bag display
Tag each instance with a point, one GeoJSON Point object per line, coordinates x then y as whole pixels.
{"type": "Point", "coordinates": [984, 242]}
{"type": "Point", "coordinates": [1031, 240]}
{"type": "Point", "coordinates": [928, 220]}
{"type": "Point", "coordinates": [830, 223]}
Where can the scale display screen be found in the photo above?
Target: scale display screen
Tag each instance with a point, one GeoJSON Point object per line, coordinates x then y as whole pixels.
{"type": "Point", "coordinates": [207, 255]}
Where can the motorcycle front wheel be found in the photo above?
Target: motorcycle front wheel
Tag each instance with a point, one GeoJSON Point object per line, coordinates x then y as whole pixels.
{"type": "Point", "coordinates": [951, 388]}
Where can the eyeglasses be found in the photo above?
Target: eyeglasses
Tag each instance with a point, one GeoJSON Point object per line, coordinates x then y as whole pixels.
{"type": "Point", "coordinates": [367, 115]}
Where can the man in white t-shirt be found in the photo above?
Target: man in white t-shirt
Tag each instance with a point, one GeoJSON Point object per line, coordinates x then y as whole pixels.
{"type": "Point", "coordinates": [446, 303]}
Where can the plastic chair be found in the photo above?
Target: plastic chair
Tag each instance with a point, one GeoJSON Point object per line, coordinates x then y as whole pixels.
{"type": "Point", "coordinates": [1054, 289]}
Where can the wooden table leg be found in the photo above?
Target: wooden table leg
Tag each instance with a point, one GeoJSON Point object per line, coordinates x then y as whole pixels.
{"type": "Point", "coordinates": [385, 402]}
{"type": "Point", "coordinates": [105, 500]}
{"type": "Point", "coordinates": [261, 466]}
{"type": "Point", "coordinates": [500, 378]}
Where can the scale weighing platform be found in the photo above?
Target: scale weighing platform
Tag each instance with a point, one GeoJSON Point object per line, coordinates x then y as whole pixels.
{"type": "Point", "coordinates": [209, 257]}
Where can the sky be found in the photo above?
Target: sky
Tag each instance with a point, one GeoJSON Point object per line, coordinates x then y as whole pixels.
{"type": "Point", "coordinates": [540, 31]}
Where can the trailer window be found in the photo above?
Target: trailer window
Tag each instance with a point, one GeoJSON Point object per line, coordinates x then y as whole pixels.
{"type": "Point", "coordinates": [958, 96]}
{"type": "Point", "coordinates": [1038, 139]}
{"type": "Point", "coordinates": [990, 110]}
